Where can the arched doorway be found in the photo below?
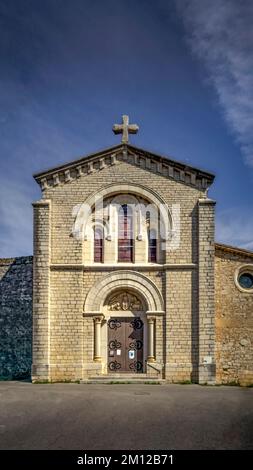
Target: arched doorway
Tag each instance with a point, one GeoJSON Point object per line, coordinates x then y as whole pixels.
{"type": "Point", "coordinates": [124, 313]}
{"type": "Point", "coordinates": [124, 296]}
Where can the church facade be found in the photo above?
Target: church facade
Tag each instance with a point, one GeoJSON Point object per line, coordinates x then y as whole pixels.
{"type": "Point", "coordinates": [127, 278]}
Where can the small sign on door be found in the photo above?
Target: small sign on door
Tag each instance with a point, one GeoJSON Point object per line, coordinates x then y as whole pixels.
{"type": "Point", "coordinates": [118, 352]}
{"type": "Point", "coordinates": [131, 354]}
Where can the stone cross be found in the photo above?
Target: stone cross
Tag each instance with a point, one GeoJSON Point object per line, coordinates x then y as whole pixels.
{"type": "Point", "coordinates": [125, 128]}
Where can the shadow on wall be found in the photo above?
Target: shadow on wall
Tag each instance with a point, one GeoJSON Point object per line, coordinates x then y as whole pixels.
{"type": "Point", "coordinates": [16, 318]}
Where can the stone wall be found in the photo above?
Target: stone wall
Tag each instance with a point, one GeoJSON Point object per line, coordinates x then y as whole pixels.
{"type": "Point", "coordinates": [67, 249]}
{"type": "Point", "coordinates": [16, 317]}
{"type": "Point", "coordinates": [71, 348]}
{"type": "Point", "coordinates": [234, 319]}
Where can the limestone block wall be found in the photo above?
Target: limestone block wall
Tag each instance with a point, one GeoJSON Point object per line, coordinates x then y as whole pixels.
{"type": "Point", "coordinates": [66, 325]}
{"type": "Point", "coordinates": [68, 195]}
{"type": "Point", "coordinates": [180, 321]}
{"type": "Point", "coordinates": [16, 317]}
{"type": "Point", "coordinates": [64, 336]}
{"type": "Point", "coordinates": [91, 277]}
{"type": "Point", "coordinates": [234, 320]}
{"type": "Point", "coordinates": [71, 349]}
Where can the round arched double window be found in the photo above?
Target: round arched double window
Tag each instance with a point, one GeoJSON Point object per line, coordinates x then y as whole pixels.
{"type": "Point", "coordinates": [244, 278]}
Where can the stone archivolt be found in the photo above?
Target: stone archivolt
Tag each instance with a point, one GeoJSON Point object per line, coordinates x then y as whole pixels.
{"type": "Point", "coordinates": [119, 281]}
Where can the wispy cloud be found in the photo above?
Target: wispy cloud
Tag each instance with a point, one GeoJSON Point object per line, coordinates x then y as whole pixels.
{"type": "Point", "coordinates": [220, 33]}
{"type": "Point", "coordinates": [234, 226]}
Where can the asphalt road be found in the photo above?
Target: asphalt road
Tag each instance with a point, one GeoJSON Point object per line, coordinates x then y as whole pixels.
{"type": "Point", "coordinates": [86, 417]}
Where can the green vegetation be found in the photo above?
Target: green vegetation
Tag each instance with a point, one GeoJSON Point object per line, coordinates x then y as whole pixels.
{"type": "Point", "coordinates": [185, 382]}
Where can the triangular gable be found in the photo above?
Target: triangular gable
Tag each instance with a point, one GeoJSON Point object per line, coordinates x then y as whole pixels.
{"type": "Point", "coordinates": [150, 161]}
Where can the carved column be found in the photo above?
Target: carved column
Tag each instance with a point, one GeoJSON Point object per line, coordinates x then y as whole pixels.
{"type": "Point", "coordinates": [97, 338]}
{"type": "Point", "coordinates": [151, 339]}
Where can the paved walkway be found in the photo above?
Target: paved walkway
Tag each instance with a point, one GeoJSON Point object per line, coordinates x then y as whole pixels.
{"type": "Point", "coordinates": [85, 417]}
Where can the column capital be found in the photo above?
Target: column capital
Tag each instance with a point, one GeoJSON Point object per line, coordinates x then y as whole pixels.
{"type": "Point", "coordinates": [98, 318]}
{"type": "Point", "coordinates": [150, 319]}
{"type": "Point", "coordinates": [154, 313]}
{"type": "Point", "coordinates": [206, 201]}
{"type": "Point", "coordinates": [41, 202]}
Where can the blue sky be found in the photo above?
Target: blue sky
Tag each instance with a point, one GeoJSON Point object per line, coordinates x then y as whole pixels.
{"type": "Point", "coordinates": [181, 69]}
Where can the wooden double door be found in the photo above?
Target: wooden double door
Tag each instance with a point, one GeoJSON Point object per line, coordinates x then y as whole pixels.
{"type": "Point", "coordinates": [125, 345]}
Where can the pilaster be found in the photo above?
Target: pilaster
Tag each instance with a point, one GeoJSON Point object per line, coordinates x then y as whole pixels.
{"type": "Point", "coordinates": [206, 253]}
{"type": "Point", "coordinates": [41, 295]}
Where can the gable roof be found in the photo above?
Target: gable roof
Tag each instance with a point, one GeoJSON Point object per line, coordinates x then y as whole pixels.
{"type": "Point", "coordinates": [166, 166]}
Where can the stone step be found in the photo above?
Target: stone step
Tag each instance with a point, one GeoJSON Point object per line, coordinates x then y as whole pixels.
{"type": "Point", "coordinates": [123, 379]}
{"type": "Point", "coordinates": [123, 376]}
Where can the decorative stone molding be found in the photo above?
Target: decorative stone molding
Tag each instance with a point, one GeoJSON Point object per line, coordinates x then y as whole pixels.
{"type": "Point", "coordinates": [148, 163]}
{"type": "Point", "coordinates": [130, 280]}
{"type": "Point", "coordinates": [125, 154]}
{"type": "Point", "coordinates": [56, 179]}
{"type": "Point", "coordinates": [159, 167]}
{"type": "Point", "coordinates": [67, 176]}
{"type": "Point", "coordinates": [101, 163]}
{"type": "Point", "coordinates": [113, 159]}
{"type": "Point", "coordinates": [232, 250]}
{"type": "Point", "coordinates": [106, 266]}
{"type": "Point", "coordinates": [94, 314]}
{"type": "Point", "coordinates": [125, 301]}
{"type": "Point", "coordinates": [44, 183]}
{"type": "Point", "coordinates": [90, 167]}
{"type": "Point", "coordinates": [155, 313]}
{"type": "Point", "coordinates": [206, 201]}
{"type": "Point", "coordinates": [42, 202]}
{"type": "Point", "coordinates": [158, 164]}
{"type": "Point", "coordinates": [79, 171]}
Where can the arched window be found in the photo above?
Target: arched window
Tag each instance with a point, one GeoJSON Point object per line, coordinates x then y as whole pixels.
{"type": "Point", "coordinates": [125, 234]}
{"type": "Point", "coordinates": [152, 246]}
{"type": "Point", "coordinates": [98, 245]}
{"type": "Point", "coordinates": [152, 240]}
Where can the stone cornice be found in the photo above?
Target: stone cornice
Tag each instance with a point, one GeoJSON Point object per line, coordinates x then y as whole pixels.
{"type": "Point", "coordinates": [89, 164]}
{"type": "Point", "coordinates": [116, 267]}
{"type": "Point", "coordinates": [147, 267]}
{"type": "Point", "coordinates": [233, 250]}
{"type": "Point", "coordinates": [42, 202]}
{"type": "Point", "coordinates": [150, 314]}
{"type": "Point", "coordinates": [206, 202]}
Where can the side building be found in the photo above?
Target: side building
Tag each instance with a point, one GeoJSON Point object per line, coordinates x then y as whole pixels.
{"type": "Point", "coordinates": [16, 317]}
